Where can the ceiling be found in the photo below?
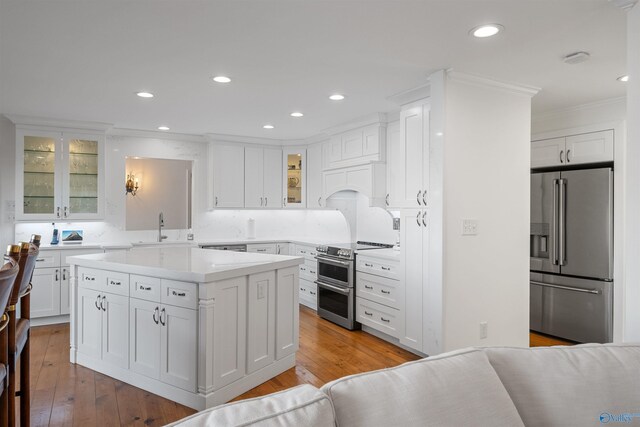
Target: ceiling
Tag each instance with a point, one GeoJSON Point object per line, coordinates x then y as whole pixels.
{"type": "Point", "coordinates": [85, 60]}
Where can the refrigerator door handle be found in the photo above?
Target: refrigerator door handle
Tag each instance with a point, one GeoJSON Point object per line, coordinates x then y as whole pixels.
{"type": "Point", "coordinates": [563, 221]}
{"type": "Point", "coordinates": [566, 288]}
{"type": "Point", "coordinates": [554, 223]}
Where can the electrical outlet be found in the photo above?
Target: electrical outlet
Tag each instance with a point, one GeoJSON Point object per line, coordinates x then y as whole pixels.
{"type": "Point", "coordinates": [396, 224]}
{"type": "Point", "coordinates": [469, 227]}
{"type": "Point", "coordinates": [261, 290]}
{"type": "Point", "coordinates": [484, 330]}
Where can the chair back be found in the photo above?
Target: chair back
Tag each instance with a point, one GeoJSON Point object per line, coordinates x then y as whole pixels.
{"type": "Point", "coordinates": [8, 274]}
{"type": "Point", "coordinates": [26, 260]}
{"type": "Point", "coordinates": [29, 266]}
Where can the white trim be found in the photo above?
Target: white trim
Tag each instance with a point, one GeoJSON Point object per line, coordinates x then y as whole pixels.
{"type": "Point", "coordinates": [58, 124]}
{"type": "Point", "coordinates": [411, 95]}
{"type": "Point", "coordinates": [456, 76]}
{"type": "Point", "coordinates": [625, 5]}
{"type": "Point", "coordinates": [218, 137]}
{"type": "Point", "coordinates": [156, 134]}
{"type": "Point", "coordinates": [370, 119]}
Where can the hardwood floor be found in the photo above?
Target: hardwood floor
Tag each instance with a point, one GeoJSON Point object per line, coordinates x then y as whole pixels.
{"type": "Point", "coordinates": [71, 395]}
{"type": "Point", "coordinates": [541, 340]}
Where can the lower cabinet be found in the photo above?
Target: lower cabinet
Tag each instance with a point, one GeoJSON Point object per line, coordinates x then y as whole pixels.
{"type": "Point", "coordinates": [308, 294]}
{"type": "Point", "coordinates": [162, 340]}
{"type": "Point", "coordinates": [45, 294]}
{"type": "Point", "coordinates": [103, 326]}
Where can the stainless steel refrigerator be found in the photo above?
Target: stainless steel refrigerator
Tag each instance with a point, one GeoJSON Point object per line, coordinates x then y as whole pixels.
{"type": "Point", "coordinates": [571, 264]}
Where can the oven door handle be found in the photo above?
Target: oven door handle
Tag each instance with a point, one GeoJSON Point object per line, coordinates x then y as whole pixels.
{"type": "Point", "coordinates": [333, 261]}
{"type": "Point", "coordinates": [334, 288]}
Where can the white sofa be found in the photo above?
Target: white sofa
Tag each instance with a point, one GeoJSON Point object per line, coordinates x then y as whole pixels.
{"type": "Point", "coordinates": [585, 385]}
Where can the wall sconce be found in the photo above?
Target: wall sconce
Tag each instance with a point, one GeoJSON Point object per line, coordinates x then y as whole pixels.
{"type": "Point", "coordinates": [131, 185]}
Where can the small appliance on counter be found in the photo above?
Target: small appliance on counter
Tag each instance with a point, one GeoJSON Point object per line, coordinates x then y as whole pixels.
{"type": "Point", "coordinates": [336, 281]}
{"type": "Point", "coordinates": [54, 238]}
{"type": "Point", "coordinates": [72, 236]}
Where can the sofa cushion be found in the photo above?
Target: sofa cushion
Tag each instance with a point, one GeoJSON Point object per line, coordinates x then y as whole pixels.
{"type": "Point", "coordinates": [570, 386]}
{"type": "Point", "coordinates": [304, 405]}
{"type": "Point", "coordinates": [455, 389]}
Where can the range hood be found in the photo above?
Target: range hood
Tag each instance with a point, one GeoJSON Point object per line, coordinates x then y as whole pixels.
{"type": "Point", "coordinates": [369, 179]}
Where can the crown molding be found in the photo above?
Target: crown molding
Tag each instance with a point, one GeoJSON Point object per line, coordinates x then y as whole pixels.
{"type": "Point", "coordinates": [625, 5]}
{"type": "Point", "coordinates": [156, 134]}
{"type": "Point", "coordinates": [375, 118]}
{"type": "Point", "coordinates": [537, 118]}
{"type": "Point", "coordinates": [219, 137]}
{"type": "Point", "coordinates": [475, 80]}
{"type": "Point", "coordinates": [411, 95]}
{"type": "Point", "coordinates": [43, 122]}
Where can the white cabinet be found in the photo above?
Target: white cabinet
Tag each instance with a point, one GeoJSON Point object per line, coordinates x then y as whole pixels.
{"type": "Point", "coordinates": [357, 147]}
{"type": "Point", "coordinates": [230, 330]}
{"type": "Point", "coordinates": [227, 166]}
{"type": "Point", "coordinates": [261, 321]}
{"type": "Point", "coordinates": [294, 177]}
{"type": "Point", "coordinates": [162, 341]}
{"type": "Point", "coordinates": [409, 164]}
{"type": "Point", "coordinates": [591, 147]}
{"type": "Point", "coordinates": [414, 244]}
{"type": "Point", "coordinates": [263, 177]}
{"type": "Point", "coordinates": [45, 295]}
{"type": "Point", "coordinates": [287, 312]}
{"type": "Point", "coordinates": [395, 163]}
{"type": "Point", "coordinates": [314, 176]}
{"type": "Point", "coordinates": [283, 248]}
{"type": "Point", "coordinates": [59, 175]}
{"type": "Point", "coordinates": [103, 326]}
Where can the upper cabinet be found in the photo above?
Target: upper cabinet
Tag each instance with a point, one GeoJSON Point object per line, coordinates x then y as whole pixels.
{"type": "Point", "coordinates": [59, 175]}
{"type": "Point", "coordinates": [408, 164]}
{"type": "Point", "coordinates": [294, 177]}
{"type": "Point", "coordinates": [314, 176]}
{"type": "Point", "coordinates": [227, 167]}
{"type": "Point", "coordinates": [356, 147]}
{"type": "Point", "coordinates": [591, 147]}
{"type": "Point", "coordinates": [262, 178]}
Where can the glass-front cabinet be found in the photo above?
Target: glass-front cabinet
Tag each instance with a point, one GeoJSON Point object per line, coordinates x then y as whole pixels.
{"type": "Point", "coordinates": [294, 181]}
{"type": "Point", "coordinates": [60, 175]}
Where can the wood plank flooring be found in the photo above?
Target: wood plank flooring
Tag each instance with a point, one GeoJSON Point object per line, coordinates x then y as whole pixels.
{"type": "Point", "coordinates": [71, 395]}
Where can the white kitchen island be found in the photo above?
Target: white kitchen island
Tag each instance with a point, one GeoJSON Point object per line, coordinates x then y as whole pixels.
{"type": "Point", "coordinates": [196, 326]}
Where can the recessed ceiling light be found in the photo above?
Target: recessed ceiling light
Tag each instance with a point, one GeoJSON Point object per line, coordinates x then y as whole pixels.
{"type": "Point", "coordinates": [163, 128]}
{"type": "Point", "coordinates": [336, 97]}
{"type": "Point", "coordinates": [145, 94]}
{"type": "Point", "coordinates": [486, 30]}
{"type": "Point", "coordinates": [296, 114]}
{"type": "Point", "coordinates": [268, 127]}
{"type": "Point", "coordinates": [221, 79]}
{"type": "Point", "coordinates": [623, 79]}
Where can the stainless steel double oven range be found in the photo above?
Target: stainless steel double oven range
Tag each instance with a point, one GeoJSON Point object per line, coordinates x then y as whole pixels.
{"type": "Point", "coordinates": [336, 281]}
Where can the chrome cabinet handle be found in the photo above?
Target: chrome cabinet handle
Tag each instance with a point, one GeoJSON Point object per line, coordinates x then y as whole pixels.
{"type": "Point", "coordinates": [216, 200]}
{"type": "Point", "coordinates": [284, 201]}
{"type": "Point", "coordinates": [386, 268]}
{"type": "Point", "coordinates": [178, 294]}
{"type": "Point", "coordinates": [418, 219]}
{"type": "Point", "coordinates": [261, 201]}
{"type": "Point", "coordinates": [385, 292]}
{"type": "Point", "coordinates": [367, 313]}
{"type": "Point", "coordinates": [418, 197]}
{"type": "Point", "coordinates": [561, 153]}
{"type": "Point", "coordinates": [368, 265]}
{"type": "Point", "coordinates": [568, 158]}
{"type": "Point", "coordinates": [39, 259]}
{"type": "Point", "coordinates": [262, 250]}
{"type": "Point", "coordinates": [102, 303]}
{"type": "Point", "coordinates": [66, 213]}
{"type": "Point", "coordinates": [563, 221]}
{"type": "Point", "coordinates": [320, 201]}
{"type": "Point", "coordinates": [161, 319]}
{"type": "Point", "coordinates": [64, 274]}
{"type": "Point", "coordinates": [312, 293]}
{"type": "Point", "coordinates": [554, 247]}
{"type": "Point", "coordinates": [96, 302]}
{"type": "Point", "coordinates": [424, 195]}
{"type": "Point", "coordinates": [155, 313]}
{"type": "Point", "coordinates": [145, 288]}
{"type": "Point", "coordinates": [386, 199]}
{"type": "Point", "coordinates": [424, 214]}
{"type": "Point", "coordinates": [111, 282]}
{"type": "Point", "coordinates": [566, 288]}
{"type": "Point", "coordinates": [58, 212]}
{"type": "Point", "coordinates": [57, 274]}
{"type": "Point", "coordinates": [368, 287]}
{"type": "Point", "coordinates": [384, 320]}
{"type": "Point", "coordinates": [266, 202]}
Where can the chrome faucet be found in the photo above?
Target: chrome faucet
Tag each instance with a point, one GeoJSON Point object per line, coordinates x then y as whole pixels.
{"type": "Point", "coordinates": [160, 226]}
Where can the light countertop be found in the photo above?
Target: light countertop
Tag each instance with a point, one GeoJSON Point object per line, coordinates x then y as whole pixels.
{"type": "Point", "coordinates": [386, 254]}
{"type": "Point", "coordinates": [187, 264]}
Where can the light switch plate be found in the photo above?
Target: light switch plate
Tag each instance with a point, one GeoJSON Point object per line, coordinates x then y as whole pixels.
{"type": "Point", "coordinates": [469, 227]}
{"type": "Point", "coordinates": [396, 224]}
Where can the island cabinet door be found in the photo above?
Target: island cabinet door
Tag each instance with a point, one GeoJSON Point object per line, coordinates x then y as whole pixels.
{"type": "Point", "coordinates": [115, 330]}
{"type": "Point", "coordinates": [261, 334]}
{"type": "Point", "coordinates": [230, 331]}
{"type": "Point", "coordinates": [89, 323]}
{"type": "Point", "coordinates": [45, 296]}
{"type": "Point", "coordinates": [144, 337]}
{"type": "Point", "coordinates": [287, 313]}
{"type": "Point", "coordinates": [178, 348]}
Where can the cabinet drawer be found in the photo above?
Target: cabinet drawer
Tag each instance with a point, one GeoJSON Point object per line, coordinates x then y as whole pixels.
{"type": "Point", "coordinates": [379, 268]}
{"type": "Point", "coordinates": [48, 259]}
{"type": "Point", "coordinates": [264, 248]}
{"type": "Point", "coordinates": [379, 317]}
{"type": "Point", "coordinates": [308, 252]}
{"type": "Point", "coordinates": [146, 288]}
{"type": "Point", "coordinates": [308, 272]}
{"type": "Point", "coordinates": [116, 283]}
{"type": "Point", "coordinates": [379, 289]}
{"type": "Point", "coordinates": [181, 294]}
{"type": "Point", "coordinates": [308, 294]}
{"type": "Point", "coordinates": [91, 278]}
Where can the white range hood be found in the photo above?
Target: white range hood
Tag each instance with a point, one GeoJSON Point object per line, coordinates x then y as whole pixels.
{"type": "Point", "coordinates": [369, 179]}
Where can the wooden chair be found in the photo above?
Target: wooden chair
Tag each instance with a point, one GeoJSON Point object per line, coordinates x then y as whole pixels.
{"type": "Point", "coordinates": [8, 274]}
{"type": "Point", "coordinates": [19, 345]}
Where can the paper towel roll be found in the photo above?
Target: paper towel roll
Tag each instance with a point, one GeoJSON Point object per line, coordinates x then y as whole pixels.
{"type": "Point", "coordinates": [251, 228]}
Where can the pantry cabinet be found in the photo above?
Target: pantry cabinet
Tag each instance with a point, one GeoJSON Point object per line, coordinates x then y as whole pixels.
{"type": "Point", "coordinates": [263, 177]}
{"type": "Point", "coordinates": [227, 167]}
{"type": "Point", "coordinates": [59, 175]}
{"type": "Point", "coordinates": [408, 166]}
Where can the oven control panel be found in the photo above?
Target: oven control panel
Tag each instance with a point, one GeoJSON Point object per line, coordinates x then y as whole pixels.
{"type": "Point", "coordinates": [335, 252]}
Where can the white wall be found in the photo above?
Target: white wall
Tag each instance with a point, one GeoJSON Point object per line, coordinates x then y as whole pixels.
{"type": "Point", "coordinates": [221, 224]}
{"type": "Point", "coordinates": [486, 178]}
{"type": "Point", "coordinates": [632, 201]}
{"type": "Point", "coordinates": [7, 180]}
